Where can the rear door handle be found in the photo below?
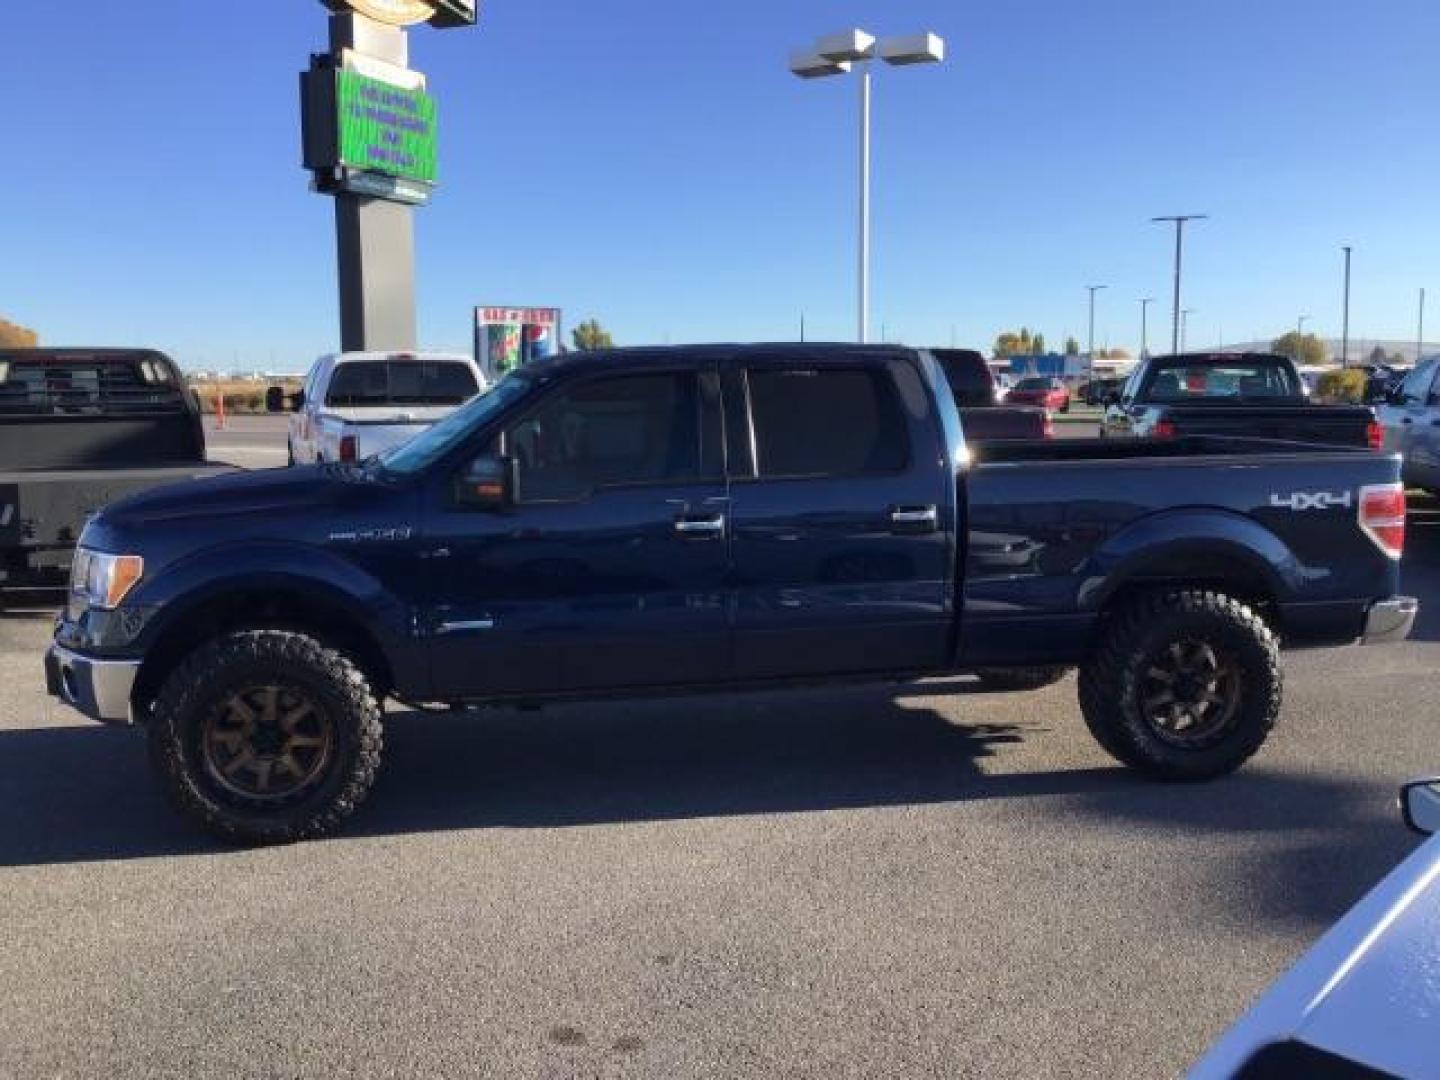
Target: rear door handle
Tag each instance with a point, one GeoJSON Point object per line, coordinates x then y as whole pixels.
{"type": "Point", "coordinates": [915, 518]}
{"type": "Point", "coordinates": [706, 527]}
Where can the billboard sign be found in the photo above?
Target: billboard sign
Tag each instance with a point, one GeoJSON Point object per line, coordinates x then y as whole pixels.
{"type": "Point", "coordinates": [385, 129]}
{"type": "Point", "coordinates": [509, 337]}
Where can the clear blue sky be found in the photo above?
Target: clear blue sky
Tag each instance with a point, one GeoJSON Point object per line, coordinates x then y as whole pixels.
{"type": "Point", "coordinates": [654, 165]}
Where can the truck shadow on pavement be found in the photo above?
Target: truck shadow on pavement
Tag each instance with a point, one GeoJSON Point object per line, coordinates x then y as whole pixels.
{"type": "Point", "coordinates": [85, 793]}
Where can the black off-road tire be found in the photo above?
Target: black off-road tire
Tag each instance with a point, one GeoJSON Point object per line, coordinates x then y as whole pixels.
{"type": "Point", "coordinates": [201, 685]}
{"type": "Point", "coordinates": [1034, 678]}
{"type": "Point", "coordinates": [1110, 684]}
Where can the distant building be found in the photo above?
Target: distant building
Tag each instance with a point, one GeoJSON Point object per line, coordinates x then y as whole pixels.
{"type": "Point", "coordinates": [1057, 365]}
{"type": "Point", "coordinates": [17, 337]}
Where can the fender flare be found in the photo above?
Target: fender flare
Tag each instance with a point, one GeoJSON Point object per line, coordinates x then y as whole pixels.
{"type": "Point", "coordinates": [1163, 544]}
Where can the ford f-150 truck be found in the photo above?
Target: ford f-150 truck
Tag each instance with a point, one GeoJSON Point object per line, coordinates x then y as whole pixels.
{"type": "Point", "coordinates": [658, 521]}
{"type": "Point", "coordinates": [1252, 394]}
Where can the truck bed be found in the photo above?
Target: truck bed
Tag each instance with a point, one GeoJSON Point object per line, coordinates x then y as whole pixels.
{"type": "Point", "coordinates": [1051, 523]}
{"type": "Point", "coordinates": [43, 509]}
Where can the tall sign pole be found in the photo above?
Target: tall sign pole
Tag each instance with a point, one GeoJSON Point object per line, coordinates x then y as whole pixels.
{"type": "Point", "coordinates": [370, 138]}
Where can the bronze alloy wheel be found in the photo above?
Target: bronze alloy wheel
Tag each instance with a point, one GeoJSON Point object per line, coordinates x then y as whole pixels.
{"type": "Point", "coordinates": [267, 743]}
{"type": "Point", "coordinates": [1190, 694]}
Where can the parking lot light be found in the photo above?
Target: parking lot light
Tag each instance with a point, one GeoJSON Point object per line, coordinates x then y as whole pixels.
{"type": "Point", "coordinates": [836, 54]}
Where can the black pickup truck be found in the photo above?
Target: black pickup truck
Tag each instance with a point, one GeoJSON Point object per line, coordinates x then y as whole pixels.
{"type": "Point", "coordinates": [665, 521]}
{"type": "Point", "coordinates": [1251, 394]}
{"type": "Point", "coordinates": [80, 428]}
{"type": "Point", "coordinates": [984, 418]}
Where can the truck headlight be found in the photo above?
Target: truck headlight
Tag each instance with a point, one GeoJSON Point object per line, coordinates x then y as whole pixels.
{"type": "Point", "coordinates": [102, 579]}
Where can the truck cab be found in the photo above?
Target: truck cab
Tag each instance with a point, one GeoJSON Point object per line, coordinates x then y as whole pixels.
{"type": "Point", "coordinates": [354, 405]}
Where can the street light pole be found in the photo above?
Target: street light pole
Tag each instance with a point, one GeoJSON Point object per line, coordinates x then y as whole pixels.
{"type": "Point", "coordinates": [1420, 333]}
{"type": "Point", "coordinates": [1345, 330]}
{"type": "Point", "coordinates": [1090, 351]}
{"type": "Point", "coordinates": [1179, 220]}
{"type": "Point", "coordinates": [1145, 325]}
{"type": "Point", "coordinates": [1300, 337]}
{"type": "Point", "coordinates": [862, 334]}
{"type": "Point", "coordinates": [836, 54]}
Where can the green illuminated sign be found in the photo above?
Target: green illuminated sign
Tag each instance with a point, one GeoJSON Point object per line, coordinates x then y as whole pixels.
{"type": "Point", "coordinates": [386, 129]}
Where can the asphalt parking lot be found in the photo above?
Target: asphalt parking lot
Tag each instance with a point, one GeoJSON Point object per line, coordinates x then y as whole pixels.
{"type": "Point", "coordinates": [914, 881]}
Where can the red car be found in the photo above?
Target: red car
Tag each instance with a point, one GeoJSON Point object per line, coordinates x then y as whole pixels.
{"type": "Point", "coordinates": [1052, 395]}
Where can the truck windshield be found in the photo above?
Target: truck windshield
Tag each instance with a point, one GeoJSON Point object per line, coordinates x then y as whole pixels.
{"type": "Point", "coordinates": [1270, 380]}
{"type": "Point", "coordinates": [436, 441]}
{"type": "Point", "coordinates": [401, 382]}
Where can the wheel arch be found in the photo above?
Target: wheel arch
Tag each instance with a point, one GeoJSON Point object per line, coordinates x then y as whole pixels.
{"type": "Point", "coordinates": [1212, 550]}
{"type": "Point", "coordinates": [276, 604]}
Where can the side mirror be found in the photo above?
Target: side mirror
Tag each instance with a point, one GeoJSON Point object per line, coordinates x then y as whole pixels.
{"type": "Point", "coordinates": [297, 400]}
{"type": "Point", "coordinates": [490, 482]}
{"type": "Point", "coordinates": [1420, 806]}
{"type": "Point", "coordinates": [275, 399]}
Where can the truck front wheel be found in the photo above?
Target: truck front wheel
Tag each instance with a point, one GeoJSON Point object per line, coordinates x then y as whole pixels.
{"type": "Point", "coordinates": [266, 737]}
{"type": "Point", "coordinates": [1183, 686]}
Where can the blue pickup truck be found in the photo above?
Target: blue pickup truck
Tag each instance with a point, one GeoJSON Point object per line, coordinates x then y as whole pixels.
{"type": "Point", "coordinates": [660, 521]}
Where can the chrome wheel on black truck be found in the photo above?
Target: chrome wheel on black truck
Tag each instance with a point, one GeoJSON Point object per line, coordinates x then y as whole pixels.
{"type": "Point", "coordinates": [266, 737]}
{"type": "Point", "coordinates": [1183, 685]}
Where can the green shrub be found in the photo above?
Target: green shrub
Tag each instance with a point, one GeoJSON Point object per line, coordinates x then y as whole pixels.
{"type": "Point", "coordinates": [1341, 387]}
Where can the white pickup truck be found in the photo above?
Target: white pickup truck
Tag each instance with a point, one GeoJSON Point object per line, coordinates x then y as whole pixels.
{"type": "Point", "coordinates": [357, 404]}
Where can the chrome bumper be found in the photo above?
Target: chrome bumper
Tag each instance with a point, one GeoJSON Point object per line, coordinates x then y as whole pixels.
{"type": "Point", "coordinates": [100, 689]}
{"type": "Point", "coordinates": [1390, 620]}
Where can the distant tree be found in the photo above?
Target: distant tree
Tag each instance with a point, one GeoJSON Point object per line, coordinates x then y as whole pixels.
{"type": "Point", "coordinates": [590, 335]}
{"type": "Point", "coordinates": [1072, 347]}
{"type": "Point", "coordinates": [1021, 343]}
{"type": "Point", "coordinates": [1378, 355]}
{"type": "Point", "coordinates": [16, 337]}
{"type": "Point", "coordinates": [1304, 350]}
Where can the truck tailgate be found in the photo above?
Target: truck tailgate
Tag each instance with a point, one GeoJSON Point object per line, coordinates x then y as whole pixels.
{"type": "Point", "coordinates": [47, 507]}
{"type": "Point", "coordinates": [1333, 425]}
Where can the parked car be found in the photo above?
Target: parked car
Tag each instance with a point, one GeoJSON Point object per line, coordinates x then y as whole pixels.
{"type": "Point", "coordinates": [975, 392]}
{"type": "Point", "coordinates": [1410, 417]}
{"type": "Point", "coordinates": [79, 428]}
{"type": "Point", "coordinates": [1363, 1001]}
{"type": "Point", "coordinates": [1252, 394]}
{"type": "Point", "coordinates": [1052, 395]}
{"type": "Point", "coordinates": [355, 405]}
{"type": "Point", "coordinates": [652, 521]}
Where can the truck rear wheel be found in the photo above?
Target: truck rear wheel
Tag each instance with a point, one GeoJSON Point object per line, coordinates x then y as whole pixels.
{"type": "Point", "coordinates": [1033, 678]}
{"type": "Point", "coordinates": [266, 737]}
{"type": "Point", "coordinates": [1184, 686]}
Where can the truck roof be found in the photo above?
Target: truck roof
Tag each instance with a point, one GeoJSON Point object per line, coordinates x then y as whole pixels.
{"type": "Point", "coordinates": [396, 354]}
{"type": "Point", "coordinates": [1200, 359]}
{"type": "Point", "coordinates": [806, 352]}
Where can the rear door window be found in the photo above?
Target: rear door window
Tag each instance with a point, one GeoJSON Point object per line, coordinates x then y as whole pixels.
{"type": "Point", "coordinates": [826, 422]}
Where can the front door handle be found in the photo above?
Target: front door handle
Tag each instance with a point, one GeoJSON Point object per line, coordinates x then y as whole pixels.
{"type": "Point", "coordinates": [915, 518]}
{"type": "Point", "coordinates": [702, 527]}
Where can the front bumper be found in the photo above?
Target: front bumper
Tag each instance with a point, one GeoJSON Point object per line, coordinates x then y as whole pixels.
{"type": "Point", "coordinates": [100, 689]}
{"type": "Point", "coordinates": [1390, 620]}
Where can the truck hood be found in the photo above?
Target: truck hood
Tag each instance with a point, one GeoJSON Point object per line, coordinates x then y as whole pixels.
{"type": "Point", "coordinates": [266, 491]}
